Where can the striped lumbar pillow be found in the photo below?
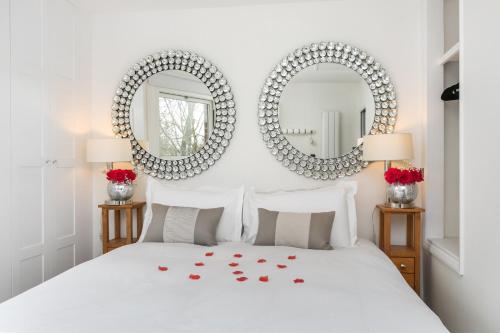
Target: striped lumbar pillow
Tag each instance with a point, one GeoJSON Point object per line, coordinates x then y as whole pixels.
{"type": "Point", "coordinates": [183, 225]}
{"type": "Point", "coordinates": [304, 230]}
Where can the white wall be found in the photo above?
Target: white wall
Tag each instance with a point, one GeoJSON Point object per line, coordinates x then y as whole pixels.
{"type": "Point", "coordinates": [470, 303]}
{"type": "Point", "coordinates": [246, 43]}
{"type": "Point", "coordinates": [451, 156]}
{"type": "Point", "coordinates": [83, 97]}
{"type": "Point", "coordinates": [451, 23]}
{"type": "Point", "coordinates": [433, 120]}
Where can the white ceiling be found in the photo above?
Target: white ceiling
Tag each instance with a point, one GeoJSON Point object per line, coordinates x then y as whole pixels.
{"type": "Point", "coordinates": [134, 5]}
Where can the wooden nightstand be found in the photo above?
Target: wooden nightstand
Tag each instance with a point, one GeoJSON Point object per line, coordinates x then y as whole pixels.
{"type": "Point", "coordinates": [107, 244]}
{"type": "Point", "coordinates": [405, 257]}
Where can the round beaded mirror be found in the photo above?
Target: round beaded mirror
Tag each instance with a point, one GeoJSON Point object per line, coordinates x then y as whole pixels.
{"type": "Point", "coordinates": [178, 111]}
{"type": "Point", "coordinates": [310, 66]}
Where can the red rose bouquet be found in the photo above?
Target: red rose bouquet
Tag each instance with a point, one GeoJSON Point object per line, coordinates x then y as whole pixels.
{"type": "Point", "coordinates": [121, 176]}
{"type": "Point", "coordinates": [404, 176]}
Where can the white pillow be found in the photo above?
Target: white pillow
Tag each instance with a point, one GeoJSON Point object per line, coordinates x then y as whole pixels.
{"type": "Point", "coordinates": [339, 198]}
{"type": "Point", "coordinates": [230, 225]}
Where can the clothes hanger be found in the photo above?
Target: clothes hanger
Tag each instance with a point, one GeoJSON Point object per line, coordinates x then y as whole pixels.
{"type": "Point", "coordinates": [451, 93]}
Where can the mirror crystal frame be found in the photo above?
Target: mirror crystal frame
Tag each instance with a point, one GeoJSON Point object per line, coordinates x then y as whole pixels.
{"type": "Point", "coordinates": [357, 60]}
{"type": "Point", "coordinates": [224, 113]}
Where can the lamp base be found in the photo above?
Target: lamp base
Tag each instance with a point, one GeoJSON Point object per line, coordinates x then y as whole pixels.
{"type": "Point", "coordinates": [399, 205]}
{"type": "Point", "coordinates": [118, 202]}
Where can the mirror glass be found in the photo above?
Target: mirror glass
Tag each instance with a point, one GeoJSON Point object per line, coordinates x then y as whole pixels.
{"type": "Point", "coordinates": [325, 110]}
{"type": "Point", "coordinates": [172, 114]}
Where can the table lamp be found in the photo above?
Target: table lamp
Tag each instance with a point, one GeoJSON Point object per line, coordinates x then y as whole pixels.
{"type": "Point", "coordinates": [121, 189]}
{"type": "Point", "coordinates": [108, 151]}
{"type": "Point", "coordinates": [387, 148]}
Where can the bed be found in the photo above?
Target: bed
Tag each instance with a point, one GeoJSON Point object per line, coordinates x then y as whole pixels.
{"type": "Point", "coordinates": [157, 287]}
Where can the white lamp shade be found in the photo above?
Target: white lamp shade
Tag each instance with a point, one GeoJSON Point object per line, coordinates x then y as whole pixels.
{"type": "Point", "coordinates": [108, 150]}
{"type": "Point", "coordinates": [388, 147]}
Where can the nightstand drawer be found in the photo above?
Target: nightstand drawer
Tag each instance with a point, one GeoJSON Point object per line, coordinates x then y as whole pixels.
{"type": "Point", "coordinates": [410, 278]}
{"type": "Point", "coordinates": [405, 265]}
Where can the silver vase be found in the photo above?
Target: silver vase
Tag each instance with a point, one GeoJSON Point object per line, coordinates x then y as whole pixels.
{"type": "Point", "coordinates": [120, 193]}
{"type": "Point", "coordinates": [402, 196]}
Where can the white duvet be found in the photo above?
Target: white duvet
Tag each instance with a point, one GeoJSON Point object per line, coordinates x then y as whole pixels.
{"type": "Point", "coordinates": [346, 290]}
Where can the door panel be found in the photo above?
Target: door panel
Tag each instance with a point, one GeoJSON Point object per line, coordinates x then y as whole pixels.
{"type": "Point", "coordinates": [26, 35]}
{"type": "Point", "coordinates": [61, 38]}
{"type": "Point", "coordinates": [65, 258]}
{"type": "Point", "coordinates": [27, 198]}
{"type": "Point", "coordinates": [60, 205]}
{"type": "Point", "coordinates": [62, 120]}
{"type": "Point", "coordinates": [27, 118]}
{"type": "Point", "coordinates": [31, 272]}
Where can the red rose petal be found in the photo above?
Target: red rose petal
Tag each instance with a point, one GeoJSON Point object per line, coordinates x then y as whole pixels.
{"type": "Point", "coordinates": [292, 257]}
{"type": "Point", "coordinates": [298, 281]}
{"type": "Point", "coordinates": [261, 261]}
{"type": "Point", "coordinates": [281, 266]}
{"type": "Point", "coordinates": [199, 264]}
{"type": "Point", "coordinates": [242, 279]}
{"type": "Point", "coordinates": [237, 272]}
{"type": "Point", "coordinates": [264, 278]}
{"type": "Point", "coordinates": [209, 254]}
{"type": "Point", "coordinates": [194, 276]}
{"type": "Point", "coordinates": [237, 255]}
{"type": "Point", "coordinates": [162, 268]}
{"type": "Point", "coordinates": [233, 264]}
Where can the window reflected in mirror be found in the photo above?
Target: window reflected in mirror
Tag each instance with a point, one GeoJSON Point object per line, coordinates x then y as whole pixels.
{"type": "Point", "coordinates": [172, 114]}
{"type": "Point", "coordinates": [184, 125]}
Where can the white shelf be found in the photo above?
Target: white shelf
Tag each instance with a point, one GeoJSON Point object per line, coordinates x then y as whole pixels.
{"type": "Point", "coordinates": [447, 250]}
{"type": "Point", "coordinates": [453, 54]}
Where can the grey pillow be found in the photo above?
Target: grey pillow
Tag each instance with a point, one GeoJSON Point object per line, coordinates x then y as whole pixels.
{"type": "Point", "coordinates": [172, 224]}
{"type": "Point", "coordinates": [303, 230]}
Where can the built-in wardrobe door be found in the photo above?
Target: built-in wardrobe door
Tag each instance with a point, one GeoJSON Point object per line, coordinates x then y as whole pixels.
{"type": "Point", "coordinates": [43, 126]}
{"type": "Point", "coordinates": [61, 128]}
{"type": "Point", "coordinates": [28, 160]}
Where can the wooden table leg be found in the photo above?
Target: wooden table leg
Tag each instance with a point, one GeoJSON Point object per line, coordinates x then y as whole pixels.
{"type": "Point", "coordinates": [417, 238]}
{"type": "Point", "coordinates": [128, 212]}
{"type": "Point", "coordinates": [118, 225]}
{"type": "Point", "coordinates": [139, 222]}
{"type": "Point", "coordinates": [387, 233]}
{"type": "Point", "coordinates": [410, 234]}
{"type": "Point", "coordinates": [381, 231]}
{"type": "Point", "coordinates": [105, 229]}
